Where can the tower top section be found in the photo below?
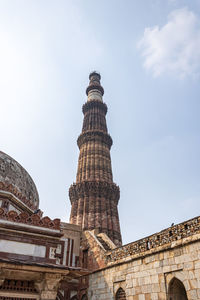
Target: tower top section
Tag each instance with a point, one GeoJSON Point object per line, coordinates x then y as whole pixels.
{"type": "Point", "coordinates": [94, 91]}
{"type": "Point", "coordinates": [95, 74]}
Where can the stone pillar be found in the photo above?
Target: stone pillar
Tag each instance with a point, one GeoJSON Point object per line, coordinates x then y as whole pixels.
{"type": "Point", "coordinates": [48, 286]}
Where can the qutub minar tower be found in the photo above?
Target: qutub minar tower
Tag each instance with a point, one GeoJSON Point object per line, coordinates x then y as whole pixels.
{"type": "Point", "coordinates": [94, 197]}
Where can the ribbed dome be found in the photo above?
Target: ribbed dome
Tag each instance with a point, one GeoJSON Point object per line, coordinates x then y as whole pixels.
{"type": "Point", "coordinates": [16, 180]}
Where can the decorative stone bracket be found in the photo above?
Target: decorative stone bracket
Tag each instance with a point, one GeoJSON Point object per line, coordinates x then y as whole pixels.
{"type": "Point", "coordinates": [48, 286]}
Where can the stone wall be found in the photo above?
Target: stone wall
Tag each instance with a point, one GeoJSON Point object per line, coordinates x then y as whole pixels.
{"type": "Point", "coordinates": [147, 275]}
{"type": "Point", "coordinates": [94, 246]}
{"type": "Point", "coordinates": [153, 242]}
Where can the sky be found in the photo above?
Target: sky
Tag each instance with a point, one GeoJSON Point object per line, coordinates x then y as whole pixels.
{"type": "Point", "coordinates": [148, 54]}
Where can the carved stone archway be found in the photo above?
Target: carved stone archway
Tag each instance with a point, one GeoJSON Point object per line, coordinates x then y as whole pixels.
{"type": "Point", "coordinates": [74, 298]}
{"type": "Point", "coordinates": [59, 296]}
{"type": "Point", "coordinates": [120, 295]}
{"type": "Point", "coordinates": [176, 290]}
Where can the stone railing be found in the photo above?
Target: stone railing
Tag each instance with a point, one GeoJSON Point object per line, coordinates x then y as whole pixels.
{"type": "Point", "coordinates": [156, 240]}
{"type": "Point", "coordinates": [34, 219]}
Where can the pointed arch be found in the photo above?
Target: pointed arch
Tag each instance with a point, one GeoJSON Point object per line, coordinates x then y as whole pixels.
{"type": "Point", "coordinates": [59, 296]}
{"type": "Point", "coordinates": [120, 295]}
{"type": "Point", "coordinates": [176, 290]}
{"type": "Point", "coordinates": [74, 298]}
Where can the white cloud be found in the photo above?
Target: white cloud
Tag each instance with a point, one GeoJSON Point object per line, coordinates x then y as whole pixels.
{"type": "Point", "coordinates": [175, 47]}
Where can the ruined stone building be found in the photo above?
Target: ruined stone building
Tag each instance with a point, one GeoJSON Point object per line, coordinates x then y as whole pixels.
{"type": "Point", "coordinates": [37, 255]}
{"type": "Point", "coordinates": [42, 258]}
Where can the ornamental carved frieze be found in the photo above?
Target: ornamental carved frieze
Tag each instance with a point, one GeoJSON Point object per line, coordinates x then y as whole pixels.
{"type": "Point", "coordinates": [94, 104]}
{"type": "Point", "coordinates": [94, 136]}
{"type": "Point", "coordinates": [25, 218]}
{"type": "Point", "coordinates": [94, 188]}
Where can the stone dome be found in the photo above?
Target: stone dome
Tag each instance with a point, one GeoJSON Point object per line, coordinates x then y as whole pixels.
{"type": "Point", "coordinates": [15, 180]}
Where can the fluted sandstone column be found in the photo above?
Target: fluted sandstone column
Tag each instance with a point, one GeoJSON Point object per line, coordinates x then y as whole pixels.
{"type": "Point", "coordinates": [94, 196]}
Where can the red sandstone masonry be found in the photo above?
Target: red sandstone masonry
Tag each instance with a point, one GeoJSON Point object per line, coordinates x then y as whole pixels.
{"type": "Point", "coordinates": [95, 197]}
{"type": "Point", "coordinates": [34, 219]}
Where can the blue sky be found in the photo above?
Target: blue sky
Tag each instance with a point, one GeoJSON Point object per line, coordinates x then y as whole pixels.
{"type": "Point", "coordinates": [148, 54]}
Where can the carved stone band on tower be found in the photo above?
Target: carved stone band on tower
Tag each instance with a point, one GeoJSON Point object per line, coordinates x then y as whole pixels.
{"type": "Point", "coordinates": [94, 197]}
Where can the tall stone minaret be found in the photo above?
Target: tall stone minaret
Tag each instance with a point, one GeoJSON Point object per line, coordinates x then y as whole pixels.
{"type": "Point", "coordinates": [94, 197]}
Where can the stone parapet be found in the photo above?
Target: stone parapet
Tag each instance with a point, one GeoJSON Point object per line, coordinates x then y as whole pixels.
{"type": "Point", "coordinates": [25, 218]}
{"type": "Point", "coordinates": [94, 104]}
{"type": "Point", "coordinates": [157, 241]}
{"type": "Point", "coordinates": [96, 189]}
{"type": "Point", "coordinates": [94, 136]}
